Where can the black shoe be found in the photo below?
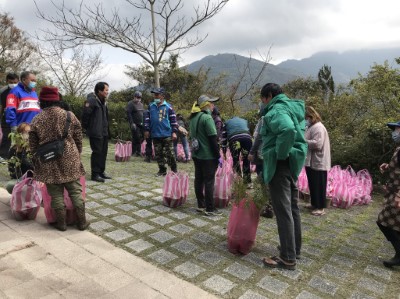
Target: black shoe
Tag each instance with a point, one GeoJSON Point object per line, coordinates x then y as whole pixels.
{"type": "Point", "coordinates": [215, 212]}
{"type": "Point", "coordinates": [161, 173]}
{"type": "Point", "coordinates": [97, 178]}
{"type": "Point", "coordinates": [105, 176]}
{"type": "Point", "coordinates": [394, 261]}
{"type": "Point", "coordinates": [147, 159]}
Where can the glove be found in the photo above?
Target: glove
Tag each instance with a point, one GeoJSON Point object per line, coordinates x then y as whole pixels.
{"type": "Point", "coordinates": [133, 127]}
{"type": "Point", "coordinates": [14, 129]}
{"type": "Point", "coordinates": [220, 161]}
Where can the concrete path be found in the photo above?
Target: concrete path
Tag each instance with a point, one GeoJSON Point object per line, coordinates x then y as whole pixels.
{"type": "Point", "coordinates": [37, 261]}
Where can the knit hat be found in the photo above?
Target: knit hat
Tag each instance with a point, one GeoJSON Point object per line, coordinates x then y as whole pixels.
{"type": "Point", "coordinates": [49, 94]}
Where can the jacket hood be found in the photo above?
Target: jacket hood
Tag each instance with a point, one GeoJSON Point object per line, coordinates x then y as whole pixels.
{"type": "Point", "coordinates": [297, 107]}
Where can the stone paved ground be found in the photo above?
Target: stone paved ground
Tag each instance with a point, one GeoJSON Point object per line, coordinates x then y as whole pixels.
{"type": "Point", "coordinates": [341, 255]}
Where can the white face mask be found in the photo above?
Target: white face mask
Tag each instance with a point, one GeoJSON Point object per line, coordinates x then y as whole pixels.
{"type": "Point", "coordinates": [12, 85]}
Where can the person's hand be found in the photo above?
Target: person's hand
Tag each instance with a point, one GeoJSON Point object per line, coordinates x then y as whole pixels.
{"type": "Point", "coordinates": [384, 167]}
{"type": "Point", "coordinates": [250, 157]}
{"type": "Point", "coordinates": [146, 134]}
{"type": "Point", "coordinates": [174, 137]}
{"type": "Point", "coordinates": [14, 129]}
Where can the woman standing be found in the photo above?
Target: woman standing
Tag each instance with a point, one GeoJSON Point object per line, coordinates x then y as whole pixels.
{"type": "Point", "coordinates": [389, 217]}
{"type": "Point", "coordinates": [318, 161]}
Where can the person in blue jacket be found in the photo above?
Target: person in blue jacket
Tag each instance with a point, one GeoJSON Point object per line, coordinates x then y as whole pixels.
{"type": "Point", "coordinates": [22, 102]}
{"type": "Point", "coordinates": [160, 123]}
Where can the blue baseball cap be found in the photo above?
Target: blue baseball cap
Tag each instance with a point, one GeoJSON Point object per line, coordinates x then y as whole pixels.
{"type": "Point", "coordinates": [393, 125]}
{"type": "Point", "coordinates": [159, 90]}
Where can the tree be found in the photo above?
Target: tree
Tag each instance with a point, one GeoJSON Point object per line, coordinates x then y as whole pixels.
{"type": "Point", "coordinates": [73, 73]}
{"type": "Point", "coordinates": [325, 79]}
{"type": "Point", "coordinates": [166, 34]}
{"type": "Point", "coordinates": [15, 47]}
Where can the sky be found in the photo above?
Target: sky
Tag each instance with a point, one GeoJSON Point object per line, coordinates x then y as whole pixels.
{"type": "Point", "coordinates": [287, 29]}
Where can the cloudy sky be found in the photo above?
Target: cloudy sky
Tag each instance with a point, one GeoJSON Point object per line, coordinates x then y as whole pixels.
{"type": "Point", "coordinates": [293, 29]}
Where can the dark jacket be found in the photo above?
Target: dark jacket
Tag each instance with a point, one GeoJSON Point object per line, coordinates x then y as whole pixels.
{"type": "Point", "coordinates": [18, 162]}
{"type": "Point", "coordinates": [95, 117]}
{"type": "Point", "coordinates": [4, 93]}
{"type": "Point", "coordinates": [134, 112]}
{"type": "Point", "coordinates": [160, 121]}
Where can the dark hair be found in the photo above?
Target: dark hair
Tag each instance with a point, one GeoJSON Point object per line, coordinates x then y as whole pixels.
{"type": "Point", "coordinates": [100, 87]}
{"type": "Point", "coordinates": [47, 104]}
{"type": "Point", "coordinates": [25, 74]}
{"type": "Point", "coordinates": [272, 89]}
{"type": "Point", "coordinates": [11, 76]}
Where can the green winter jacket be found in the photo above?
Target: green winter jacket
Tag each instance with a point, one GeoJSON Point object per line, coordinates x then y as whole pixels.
{"type": "Point", "coordinates": [283, 135]}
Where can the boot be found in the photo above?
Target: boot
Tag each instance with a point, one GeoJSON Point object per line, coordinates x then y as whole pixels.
{"type": "Point", "coordinates": [394, 261]}
{"type": "Point", "coordinates": [60, 218]}
{"type": "Point", "coordinates": [81, 215]}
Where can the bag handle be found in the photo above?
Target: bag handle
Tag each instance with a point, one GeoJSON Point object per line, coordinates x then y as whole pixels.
{"type": "Point", "coordinates": [66, 128]}
{"type": "Point", "coordinates": [197, 124]}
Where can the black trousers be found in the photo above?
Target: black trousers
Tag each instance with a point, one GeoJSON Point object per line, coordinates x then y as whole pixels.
{"type": "Point", "coordinates": [392, 236]}
{"type": "Point", "coordinates": [204, 179]}
{"type": "Point", "coordinates": [5, 143]}
{"type": "Point", "coordinates": [149, 148]}
{"type": "Point", "coordinates": [99, 148]}
{"type": "Point", "coordinates": [137, 139]}
{"type": "Point", "coordinates": [317, 180]}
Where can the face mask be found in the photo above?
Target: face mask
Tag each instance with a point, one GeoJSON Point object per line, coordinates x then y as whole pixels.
{"type": "Point", "coordinates": [157, 101]}
{"type": "Point", "coordinates": [32, 85]}
{"type": "Point", "coordinates": [12, 85]}
{"type": "Point", "coordinates": [308, 123]}
{"type": "Point", "coordinates": [396, 136]}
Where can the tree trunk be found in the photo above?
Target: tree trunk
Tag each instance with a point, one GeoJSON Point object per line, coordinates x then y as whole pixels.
{"type": "Point", "coordinates": [155, 59]}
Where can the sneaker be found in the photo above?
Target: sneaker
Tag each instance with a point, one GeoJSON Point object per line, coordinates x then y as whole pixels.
{"type": "Point", "coordinates": [213, 213]}
{"type": "Point", "coordinates": [200, 210]}
{"type": "Point", "coordinates": [161, 173]}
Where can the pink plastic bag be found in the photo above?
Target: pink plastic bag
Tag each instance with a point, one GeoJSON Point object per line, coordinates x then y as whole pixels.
{"type": "Point", "coordinates": [123, 151]}
{"type": "Point", "coordinates": [223, 185]}
{"type": "Point", "coordinates": [143, 149]}
{"type": "Point", "coordinates": [302, 182]}
{"type": "Point", "coordinates": [344, 195]}
{"type": "Point", "coordinates": [242, 227]}
{"type": "Point", "coordinates": [175, 189]}
{"type": "Point", "coordinates": [26, 198]}
{"type": "Point", "coordinates": [71, 213]}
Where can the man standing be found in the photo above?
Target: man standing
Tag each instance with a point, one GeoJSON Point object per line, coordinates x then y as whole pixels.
{"type": "Point", "coordinates": [95, 122]}
{"type": "Point", "coordinates": [284, 151]}
{"type": "Point", "coordinates": [12, 81]}
{"type": "Point", "coordinates": [134, 111]}
{"type": "Point", "coordinates": [22, 102]}
{"type": "Point", "coordinates": [160, 123]}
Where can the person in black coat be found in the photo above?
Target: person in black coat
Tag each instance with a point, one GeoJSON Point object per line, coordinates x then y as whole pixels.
{"type": "Point", "coordinates": [134, 111]}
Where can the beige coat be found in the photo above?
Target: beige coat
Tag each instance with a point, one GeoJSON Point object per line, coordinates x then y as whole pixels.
{"type": "Point", "coordinates": [319, 148]}
{"type": "Point", "coordinates": [49, 126]}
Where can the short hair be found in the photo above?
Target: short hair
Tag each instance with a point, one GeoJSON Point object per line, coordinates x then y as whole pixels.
{"type": "Point", "coordinates": [25, 74]}
{"type": "Point", "coordinates": [11, 76]}
{"type": "Point", "coordinates": [47, 104]}
{"type": "Point", "coordinates": [100, 87]}
{"type": "Point", "coordinates": [22, 126]}
{"type": "Point", "coordinates": [272, 89]}
{"type": "Point", "coordinates": [313, 115]}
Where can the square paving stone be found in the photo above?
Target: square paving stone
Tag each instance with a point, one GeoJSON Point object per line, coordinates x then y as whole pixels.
{"type": "Point", "coordinates": [219, 284]}
{"type": "Point", "coordinates": [358, 295]}
{"type": "Point", "coordinates": [179, 215]}
{"type": "Point", "coordinates": [111, 201]}
{"type": "Point", "coordinates": [126, 207]}
{"type": "Point", "coordinates": [343, 261]}
{"type": "Point", "coordinates": [145, 194]}
{"type": "Point", "coordinates": [305, 261]}
{"type": "Point", "coordinates": [378, 272]}
{"type": "Point", "coordinates": [131, 190]}
{"type": "Point", "coordinates": [161, 209]}
{"type": "Point", "coordinates": [92, 205]}
{"type": "Point", "coordinates": [143, 213]}
{"type": "Point", "coordinates": [120, 179]}
{"type": "Point", "coordinates": [357, 243]}
{"type": "Point", "coordinates": [239, 271]}
{"type": "Point", "coordinates": [350, 251]}
{"type": "Point", "coordinates": [252, 295]}
{"type": "Point", "coordinates": [203, 238]}
{"type": "Point", "coordinates": [312, 250]}
{"type": "Point", "coordinates": [162, 256]}
{"type": "Point", "coordinates": [145, 203]}
{"type": "Point", "coordinates": [334, 272]}
{"type": "Point", "coordinates": [211, 258]}
{"type": "Point", "coordinates": [292, 274]}
{"type": "Point", "coordinates": [118, 235]}
{"type": "Point", "coordinates": [123, 219]}
{"type": "Point", "coordinates": [219, 230]}
{"type": "Point", "coordinates": [307, 295]}
{"type": "Point", "coordinates": [372, 285]}
{"type": "Point", "coordinates": [119, 185]}
{"type": "Point", "coordinates": [115, 192]}
{"type": "Point", "coordinates": [88, 190]}
{"type": "Point", "coordinates": [98, 195]}
{"type": "Point", "coordinates": [273, 285]}
{"type": "Point", "coordinates": [100, 225]}
{"type": "Point", "coordinates": [198, 222]}
{"type": "Point", "coordinates": [181, 228]}
{"type": "Point", "coordinates": [142, 227]}
{"type": "Point", "coordinates": [162, 236]}
{"type": "Point", "coordinates": [158, 198]}
{"type": "Point", "coordinates": [161, 220]}
{"type": "Point", "coordinates": [102, 187]}
{"type": "Point", "coordinates": [254, 259]}
{"type": "Point", "coordinates": [106, 212]}
{"type": "Point", "coordinates": [139, 245]}
{"type": "Point", "coordinates": [128, 197]}
{"type": "Point", "coordinates": [184, 246]}
{"type": "Point", "coordinates": [189, 269]}
{"type": "Point", "coordinates": [158, 190]}
{"type": "Point", "coordinates": [323, 285]}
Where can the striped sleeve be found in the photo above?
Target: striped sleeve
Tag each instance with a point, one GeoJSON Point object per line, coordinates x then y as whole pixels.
{"type": "Point", "coordinates": [172, 120]}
